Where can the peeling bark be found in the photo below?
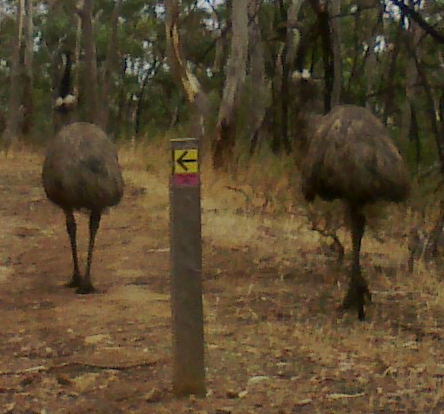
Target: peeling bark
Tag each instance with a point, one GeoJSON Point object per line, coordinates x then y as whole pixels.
{"type": "Point", "coordinates": [182, 74]}
{"type": "Point", "coordinates": [184, 78]}
{"type": "Point", "coordinates": [225, 132]}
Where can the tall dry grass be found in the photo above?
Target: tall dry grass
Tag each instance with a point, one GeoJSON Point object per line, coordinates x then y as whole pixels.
{"type": "Point", "coordinates": [260, 200]}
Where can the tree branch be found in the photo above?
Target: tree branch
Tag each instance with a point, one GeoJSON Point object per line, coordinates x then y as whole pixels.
{"type": "Point", "coordinates": [419, 20]}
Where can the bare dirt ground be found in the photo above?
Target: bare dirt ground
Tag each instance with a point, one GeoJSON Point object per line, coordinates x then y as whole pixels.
{"type": "Point", "coordinates": [274, 342]}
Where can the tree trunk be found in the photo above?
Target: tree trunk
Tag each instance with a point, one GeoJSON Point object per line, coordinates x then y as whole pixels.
{"type": "Point", "coordinates": [321, 10]}
{"type": "Point", "coordinates": [183, 77]}
{"type": "Point", "coordinates": [14, 107]}
{"type": "Point", "coordinates": [258, 99]}
{"type": "Point", "coordinates": [415, 135]}
{"type": "Point", "coordinates": [411, 90]}
{"type": "Point", "coordinates": [352, 79]}
{"type": "Point", "coordinates": [391, 75]}
{"type": "Point", "coordinates": [288, 61]}
{"type": "Point", "coordinates": [140, 97]}
{"type": "Point", "coordinates": [92, 95]}
{"type": "Point", "coordinates": [120, 126]}
{"type": "Point", "coordinates": [335, 11]}
{"type": "Point", "coordinates": [28, 104]}
{"type": "Point", "coordinates": [76, 60]}
{"type": "Point", "coordinates": [429, 105]}
{"type": "Point", "coordinates": [225, 132]}
{"type": "Point", "coordinates": [110, 66]}
{"type": "Point", "coordinates": [370, 58]}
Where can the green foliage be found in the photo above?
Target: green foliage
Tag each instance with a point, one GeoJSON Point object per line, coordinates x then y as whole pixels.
{"type": "Point", "coordinates": [146, 98]}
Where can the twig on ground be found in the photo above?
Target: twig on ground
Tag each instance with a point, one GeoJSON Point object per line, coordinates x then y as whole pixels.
{"type": "Point", "coordinates": [42, 368]}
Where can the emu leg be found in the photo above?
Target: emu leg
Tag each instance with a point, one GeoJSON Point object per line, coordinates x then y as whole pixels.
{"type": "Point", "coordinates": [71, 228]}
{"type": "Point", "coordinates": [86, 285]}
{"type": "Point", "coordinates": [358, 291]}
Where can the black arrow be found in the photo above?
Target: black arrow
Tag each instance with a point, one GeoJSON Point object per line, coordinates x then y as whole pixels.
{"type": "Point", "coordinates": [181, 161]}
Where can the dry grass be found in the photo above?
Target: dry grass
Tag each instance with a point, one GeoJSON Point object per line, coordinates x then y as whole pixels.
{"type": "Point", "coordinates": [390, 364]}
{"type": "Point", "coordinates": [275, 344]}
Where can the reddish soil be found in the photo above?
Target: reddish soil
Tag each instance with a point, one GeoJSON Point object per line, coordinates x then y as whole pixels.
{"type": "Point", "coordinates": [274, 342]}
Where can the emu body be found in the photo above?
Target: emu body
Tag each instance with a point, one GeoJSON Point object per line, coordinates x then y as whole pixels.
{"type": "Point", "coordinates": [351, 157]}
{"type": "Point", "coordinates": [81, 172]}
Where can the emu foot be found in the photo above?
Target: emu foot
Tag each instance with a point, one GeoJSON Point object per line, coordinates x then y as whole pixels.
{"type": "Point", "coordinates": [74, 282]}
{"type": "Point", "coordinates": [356, 298]}
{"type": "Point", "coordinates": [85, 289]}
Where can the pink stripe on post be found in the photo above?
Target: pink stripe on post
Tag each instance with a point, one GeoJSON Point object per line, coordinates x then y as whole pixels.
{"type": "Point", "coordinates": [186, 180]}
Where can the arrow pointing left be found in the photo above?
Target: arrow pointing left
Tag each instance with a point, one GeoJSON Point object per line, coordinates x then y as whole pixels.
{"type": "Point", "coordinates": [186, 161]}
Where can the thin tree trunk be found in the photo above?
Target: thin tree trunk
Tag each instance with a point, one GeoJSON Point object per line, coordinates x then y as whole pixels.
{"type": "Point", "coordinates": [356, 52]}
{"type": "Point", "coordinates": [14, 108]}
{"type": "Point", "coordinates": [76, 60]}
{"type": "Point", "coordinates": [411, 90]}
{"type": "Point", "coordinates": [92, 97]}
{"type": "Point", "coordinates": [391, 76]}
{"type": "Point", "coordinates": [120, 125]}
{"type": "Point", "coordinates": [258, 100]}
{"type": "Point", "coordinates": [370, 59]}
{"type": "Point", "coordinates": [288, 61]}
{"type": "Point", "coordinates": [28, 104]}
{"type": "Point", "coordinates": [335, 6]}
{"type": "Point", "coordinates": [140, 97]}
{"type": "Point", "coordinates": [320, 8]}
{"type": "Point", "coordinates": [415, 135]}
{"type": "Point", "coordinates": [110, 66]}
{"type": "Point", "coordinates": [430, 106]}
{"type": "Point", "coordinates": [225, 133]}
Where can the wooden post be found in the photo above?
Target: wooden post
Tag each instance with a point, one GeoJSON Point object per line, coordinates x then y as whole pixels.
{"type": "Point", "coordinates": [186, 269]}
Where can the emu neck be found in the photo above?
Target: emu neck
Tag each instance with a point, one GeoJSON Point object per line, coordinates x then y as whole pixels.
{"type": "Point", "coordinates": [63, 118]}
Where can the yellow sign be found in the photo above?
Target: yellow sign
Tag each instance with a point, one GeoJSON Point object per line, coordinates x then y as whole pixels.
{"type": "Point", "coordinates": [186, 161]}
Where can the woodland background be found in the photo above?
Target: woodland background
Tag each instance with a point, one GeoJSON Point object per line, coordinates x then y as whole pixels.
{"type": "Point", "coordinates": [234, 59]}
{"type": "Point", "coordinates": [250, 78]}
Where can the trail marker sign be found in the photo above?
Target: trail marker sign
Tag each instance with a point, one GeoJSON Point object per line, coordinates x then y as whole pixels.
{"type": "Point", "coordinates": [186, 269]}
{"type": "Point", "coordinates": [186, 161]}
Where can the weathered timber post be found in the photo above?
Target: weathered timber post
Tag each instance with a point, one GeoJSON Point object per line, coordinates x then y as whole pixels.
{"type": "Point", "coordinates": [186, 269]}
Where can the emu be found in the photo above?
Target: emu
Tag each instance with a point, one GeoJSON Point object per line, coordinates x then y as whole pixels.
{"type": "Point", "coordinates": [81, 172]}
{"type": "Point", "coordinates": [351, 157]}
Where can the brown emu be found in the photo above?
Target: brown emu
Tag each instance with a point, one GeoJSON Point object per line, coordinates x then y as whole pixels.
{"type": "Point", "coordinates": [81, 172]}
{"type": "Point", "coordinates": [351, 157]}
